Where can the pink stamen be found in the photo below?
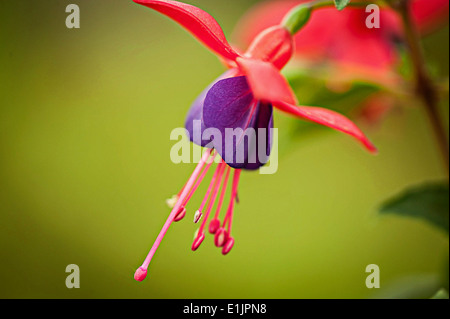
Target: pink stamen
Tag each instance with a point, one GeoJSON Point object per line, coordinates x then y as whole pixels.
{"type": "Point", "coordinates": [216, 182]}
{"type": "Point", "coordinates": [222, 194]}
{"type": "Point", "coordinates": [214, 194]}
{"type": "Point", "coordinates": [210, 187]}
{"type": "Point", "coordinates": [197, 216]}
{"type": "Point", "coordinates": [200, 179]}
{"type": "Point", "coordinates": [141, 272]}
{"type": "Point", "coordinates": [228, 245]}
{"type": "Point", "coordinates": [197, 241]}
{"type": "Point", "coordinates": [180, 215]}
{"type": "Point", "coordinates": [215, 222]}
{"type": "Point", "coordinates": [229, 216]}
{"type": "Point", "coordinates": [214, 225]}
{"type": "Point", "coordinates": [221, 237]}
{"type": "Point", "coordinates": [228, 241]}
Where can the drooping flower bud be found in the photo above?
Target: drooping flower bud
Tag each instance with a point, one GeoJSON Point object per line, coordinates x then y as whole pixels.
{"type": "Point", "coordinates": [297, 18]}
{"type": "Point", "coordinates": [273, 45]}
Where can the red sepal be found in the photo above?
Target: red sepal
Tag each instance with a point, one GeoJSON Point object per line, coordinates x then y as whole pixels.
{"type": "Point", "coordinates": [198, 22]}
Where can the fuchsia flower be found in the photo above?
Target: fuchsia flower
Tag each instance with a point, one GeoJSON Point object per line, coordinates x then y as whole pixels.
{"type": "Point", "coordinates": [243, 97]}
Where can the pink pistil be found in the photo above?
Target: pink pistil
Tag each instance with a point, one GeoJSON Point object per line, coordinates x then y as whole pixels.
{"type": "Point", "coordinates": [200, 178]}
{"type": "Point", "coordinates": [141, 272]}
{"type": "Point", "coordinates": [223, 237]}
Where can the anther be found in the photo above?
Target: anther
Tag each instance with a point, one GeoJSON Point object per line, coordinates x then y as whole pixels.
{"type": "Point", "coordinates": [198, 215]}
{"type": "Point", "coordinates": [197, 241]}
{"type": "Point", "coordinates": [221, 237]}
{"type": "Point", "coordinates": [214, 225]}
{"type": "Point", "coordinates": [228, 245]}
{"type": "Point", "coordinates": [180, 215]}
{"type": "Point", "coordinates": [172, 201]}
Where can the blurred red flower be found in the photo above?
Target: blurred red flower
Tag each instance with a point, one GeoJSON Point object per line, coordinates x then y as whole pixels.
{"type": "Point", "coordinates": [342, 42]}
{"type": "Point", "coordinates": [341, 37]}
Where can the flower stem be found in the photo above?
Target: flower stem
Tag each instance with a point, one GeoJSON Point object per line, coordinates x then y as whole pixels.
{"type": "Point", "coordinates": [425, 88]}
{"type": "Point", "coordinates": [299, 16]}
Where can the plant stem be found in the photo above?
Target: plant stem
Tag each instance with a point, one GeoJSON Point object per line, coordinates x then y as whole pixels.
{"type": "Point", "coordinates": [330, 3]}
{"type": "Point", "coordinates": [425, 88]}
{"type": "Point", "coordinates": [299, 15]}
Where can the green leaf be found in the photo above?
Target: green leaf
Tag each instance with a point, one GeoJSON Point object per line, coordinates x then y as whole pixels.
{"type": "Point", "coordinates": [441, 294]}
{"type": "Point", "coordinates": [429, 202]}
{"type": "Point", "coordinates": [446, 274]}
{"type": "Point", "coordinates": [415, 286]}
{"type": "Point", "coordinates": [341, 4]}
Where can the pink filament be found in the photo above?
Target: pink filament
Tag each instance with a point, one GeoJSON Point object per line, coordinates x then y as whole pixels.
{"type": "Point", "coordinates": [213, 155]}
{"type": "Point", "coordinates": [200, 179]}
{"type": "Point", "coordinates": [229, 216]}
{"type": "Point", "coordinates": [211, 185]}
{"type": "Point", "coordinates": [214, 194]}
{"type": "Point", "coordinates": [222, 192]}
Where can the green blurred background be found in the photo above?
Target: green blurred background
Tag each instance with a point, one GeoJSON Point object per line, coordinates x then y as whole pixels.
{"type": "Point", "coordinates": [85, 118]}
